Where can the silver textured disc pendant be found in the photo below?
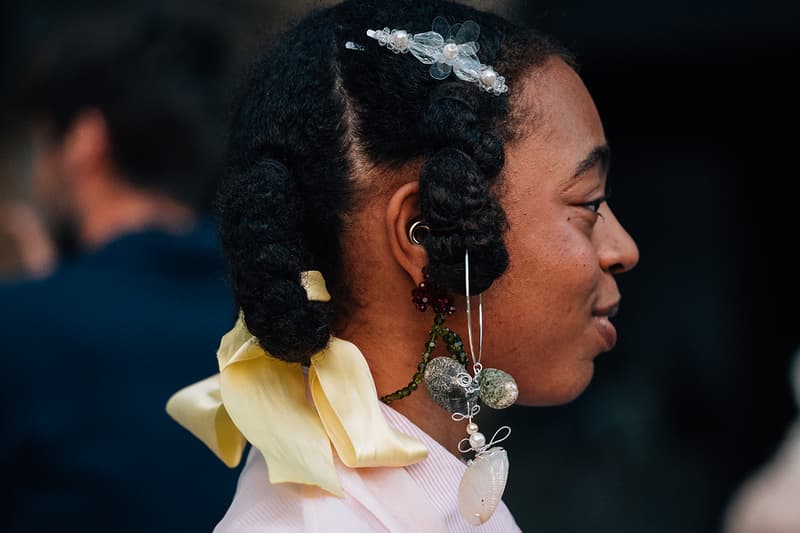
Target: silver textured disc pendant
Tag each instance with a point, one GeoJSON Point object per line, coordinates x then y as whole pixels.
{"type": "Point", "coordinates": [498, 389]}
{"type": "Point", "coordinates": [441, 380]}
{"type": "Point", "coordinates": [482, 486]}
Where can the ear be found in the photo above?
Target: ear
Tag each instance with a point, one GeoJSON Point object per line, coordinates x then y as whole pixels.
{"type": "Point", "coordinates": [403, 209]}
{"type": "Point", "coordinates": [86, 145]}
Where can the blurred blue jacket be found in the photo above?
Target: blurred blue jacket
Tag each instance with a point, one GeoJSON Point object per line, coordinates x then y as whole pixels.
{"type": "Point", "coordinates": [89, 358]}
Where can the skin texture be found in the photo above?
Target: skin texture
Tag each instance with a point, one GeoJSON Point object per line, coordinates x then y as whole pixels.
{"type": "Point", "coordinates": [541, 323]}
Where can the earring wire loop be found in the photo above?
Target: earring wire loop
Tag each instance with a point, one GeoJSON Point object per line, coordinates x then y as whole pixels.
{"type": "Point", "coordinates": [475, 361]}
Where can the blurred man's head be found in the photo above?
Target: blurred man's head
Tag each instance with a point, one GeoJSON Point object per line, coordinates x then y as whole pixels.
{"type": "Point", "coordinates": [128, 120]}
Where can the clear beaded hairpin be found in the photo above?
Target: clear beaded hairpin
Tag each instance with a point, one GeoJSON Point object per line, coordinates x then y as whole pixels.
{"type": "Point", "coordinates": [446, 49]}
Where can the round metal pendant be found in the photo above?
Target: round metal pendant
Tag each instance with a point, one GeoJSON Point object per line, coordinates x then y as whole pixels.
{"type": "Point", "coordinates": [444, 386]}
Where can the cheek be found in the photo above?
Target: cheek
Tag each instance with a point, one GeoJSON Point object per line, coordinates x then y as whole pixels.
{"type": "Point", "coordinates": [554, 262]}
{"type": "Point", "coordinates": [543, 312]}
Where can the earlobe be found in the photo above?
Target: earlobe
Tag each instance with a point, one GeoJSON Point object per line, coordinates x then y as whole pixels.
{"type": "Point", "coordinates": [402, 212]}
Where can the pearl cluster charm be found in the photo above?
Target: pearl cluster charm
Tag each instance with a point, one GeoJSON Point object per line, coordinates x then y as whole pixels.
{"type": "Point", "coordinates": [477, 440]}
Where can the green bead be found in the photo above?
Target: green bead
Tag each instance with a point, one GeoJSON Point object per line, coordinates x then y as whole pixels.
{"type": "Point", "coordinates": [418, 377]}
{"type": "Point", "coordinates": [421, 367]}
{"type": "Point", "coordinates": [413, 385]}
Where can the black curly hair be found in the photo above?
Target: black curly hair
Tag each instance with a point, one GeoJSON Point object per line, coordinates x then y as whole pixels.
{"type": "Point", "coordinates": [315, 112]}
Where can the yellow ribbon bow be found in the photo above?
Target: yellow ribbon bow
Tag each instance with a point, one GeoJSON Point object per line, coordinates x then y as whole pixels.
{"type": "Point", "coordinates": [259, 399]}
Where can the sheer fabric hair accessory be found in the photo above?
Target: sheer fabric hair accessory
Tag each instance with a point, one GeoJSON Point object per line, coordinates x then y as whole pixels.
{"type": "Point", "coordinates": [447, 49]}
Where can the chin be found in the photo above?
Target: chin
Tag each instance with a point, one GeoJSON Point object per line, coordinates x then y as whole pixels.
{"type": "Point", "coordinates": [558, 389]}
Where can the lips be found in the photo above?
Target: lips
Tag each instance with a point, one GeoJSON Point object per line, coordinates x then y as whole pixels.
{"type": "Point", "coordinates": [607, 331]}
{"type": "Point", "coordinates": [601, 317]}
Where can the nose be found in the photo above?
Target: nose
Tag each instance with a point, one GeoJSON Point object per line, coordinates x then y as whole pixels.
{"type": "Point", "coordinates": [616, 249]}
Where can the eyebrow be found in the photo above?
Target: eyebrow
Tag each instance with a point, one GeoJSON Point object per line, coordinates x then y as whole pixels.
{"type": "Point", "coordinates": [600, 155]}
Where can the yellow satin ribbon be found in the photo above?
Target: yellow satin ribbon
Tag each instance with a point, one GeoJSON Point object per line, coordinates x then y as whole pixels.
{"type": "Point", "coordinates": [259, 399]}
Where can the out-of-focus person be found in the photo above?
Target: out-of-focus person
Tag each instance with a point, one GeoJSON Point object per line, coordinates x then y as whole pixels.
{"type": "Point", "coordinates": [26, 249]}
{"type": "Point", "coordinates": [127, 116]}
{"type": "Point", "coordinates": [769, 502]}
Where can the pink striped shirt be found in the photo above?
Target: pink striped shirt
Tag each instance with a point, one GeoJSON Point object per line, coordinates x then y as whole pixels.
{"type": "Point", "coordinates": [419, 498]}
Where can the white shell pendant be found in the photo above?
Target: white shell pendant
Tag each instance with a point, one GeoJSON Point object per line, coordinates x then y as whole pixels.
{"type": "Point", "coordinates": [482, 486]}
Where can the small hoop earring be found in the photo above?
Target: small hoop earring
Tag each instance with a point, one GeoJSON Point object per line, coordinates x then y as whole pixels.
{"type": "Point", "coordinates": [417, 232]}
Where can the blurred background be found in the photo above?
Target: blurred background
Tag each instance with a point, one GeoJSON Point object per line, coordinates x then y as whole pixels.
{"type": "Point", "coordinates": [699, 101]}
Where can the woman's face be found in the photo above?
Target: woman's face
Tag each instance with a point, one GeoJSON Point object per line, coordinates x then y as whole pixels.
{"type": "Point", "coordinates": [548, 317]}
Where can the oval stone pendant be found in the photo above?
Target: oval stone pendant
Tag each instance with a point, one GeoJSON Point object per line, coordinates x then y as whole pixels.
{"type": "Point", "coordinates": [498, 389]}
{"type": "Point", "coordinates": [482, 486]}
{"type": "Point", "coordinates": [441, 380]}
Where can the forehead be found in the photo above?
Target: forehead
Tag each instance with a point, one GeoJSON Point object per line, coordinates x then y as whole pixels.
{"type": "Point", "coordinates": [559, 123]}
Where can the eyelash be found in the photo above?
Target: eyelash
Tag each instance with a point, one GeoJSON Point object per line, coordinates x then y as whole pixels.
{"type": "Point", "coordinates": [594, 205]}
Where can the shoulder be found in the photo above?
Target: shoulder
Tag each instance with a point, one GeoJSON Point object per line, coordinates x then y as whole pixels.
{"type": "Point", "coordinates": [24, 307]}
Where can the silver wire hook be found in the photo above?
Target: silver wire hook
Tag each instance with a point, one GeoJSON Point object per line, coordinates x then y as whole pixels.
{"type": "Point", "coordinates": [469, 315]}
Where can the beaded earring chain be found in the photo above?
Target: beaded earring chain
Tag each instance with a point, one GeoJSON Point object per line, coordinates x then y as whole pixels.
{"type": "Point", "coordinates": [428, 296]}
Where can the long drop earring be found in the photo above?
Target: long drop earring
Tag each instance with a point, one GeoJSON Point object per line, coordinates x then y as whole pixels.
{"type": "Point", "coordinates": [452, 386]}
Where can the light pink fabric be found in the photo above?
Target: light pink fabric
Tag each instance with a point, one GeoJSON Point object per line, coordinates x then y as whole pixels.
{"type": "Point", "coordinates": [769, 502]}
{"type": "Point", "coordinates": [419, 498]}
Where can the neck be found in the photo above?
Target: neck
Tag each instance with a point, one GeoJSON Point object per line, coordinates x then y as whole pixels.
{"type": "Point", "coordinates": [393, 369]}
{"type": "Point", "coordinates": [109, 209]}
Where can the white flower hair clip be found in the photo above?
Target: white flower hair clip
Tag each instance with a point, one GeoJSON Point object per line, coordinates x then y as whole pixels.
{"type": "Point", "coordinates": [446, 49]}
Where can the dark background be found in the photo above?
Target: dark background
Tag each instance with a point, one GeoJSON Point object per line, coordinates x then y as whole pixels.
{"type": "Point", "coordinates": [700, 107]}
{"type": "Point", "coordinates": [699, 104]}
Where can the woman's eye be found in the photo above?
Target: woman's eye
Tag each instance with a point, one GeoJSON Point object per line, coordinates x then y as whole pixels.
{"type": "Point", "coordinates": [594, 205]}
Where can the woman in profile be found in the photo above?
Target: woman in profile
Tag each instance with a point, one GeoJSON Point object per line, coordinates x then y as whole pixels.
{"type": "Point", "coordinates": [416, 212]}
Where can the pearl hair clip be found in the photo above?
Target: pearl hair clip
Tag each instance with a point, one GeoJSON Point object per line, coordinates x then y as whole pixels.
{"type": "Point", "coordinates": [446, 49]}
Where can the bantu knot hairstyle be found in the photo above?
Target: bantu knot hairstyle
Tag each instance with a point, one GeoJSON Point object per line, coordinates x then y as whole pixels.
{"type": "Point", "coordinates": [311, 105]}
